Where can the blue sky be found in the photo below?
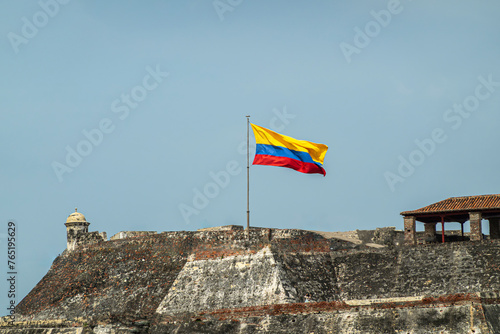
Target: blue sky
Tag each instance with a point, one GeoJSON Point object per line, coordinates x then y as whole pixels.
{"type": "Point", "coordinates": [162, 88]}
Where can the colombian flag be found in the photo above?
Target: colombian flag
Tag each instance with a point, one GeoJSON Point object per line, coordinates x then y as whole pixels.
{"type": "Point", "coordinates": [274, 149]}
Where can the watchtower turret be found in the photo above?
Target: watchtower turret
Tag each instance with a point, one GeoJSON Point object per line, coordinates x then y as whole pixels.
{"type": "Point", "coordinates": [76, 225]}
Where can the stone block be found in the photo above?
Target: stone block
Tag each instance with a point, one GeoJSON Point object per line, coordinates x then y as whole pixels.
{"type": "Point", "coordinates": [476, 233]}
{"type": "Point", "coordinates": [410, 230]}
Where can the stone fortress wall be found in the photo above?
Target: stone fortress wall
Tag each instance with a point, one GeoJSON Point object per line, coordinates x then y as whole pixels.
{"type": "Point", "coordinates": [230, 280]}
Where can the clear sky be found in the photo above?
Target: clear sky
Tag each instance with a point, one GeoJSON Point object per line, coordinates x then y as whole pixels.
{"type": "Point", "coordinates": [134, 112]}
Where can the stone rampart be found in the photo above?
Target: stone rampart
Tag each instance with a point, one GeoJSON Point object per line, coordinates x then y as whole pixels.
{"type": "Point", "coordinates": [267, 280]}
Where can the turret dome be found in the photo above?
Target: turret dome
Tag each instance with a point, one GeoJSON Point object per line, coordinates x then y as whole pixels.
{"type": "Point", "coordinates": [76, 217]}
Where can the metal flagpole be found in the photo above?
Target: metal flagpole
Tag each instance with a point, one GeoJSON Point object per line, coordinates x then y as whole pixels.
{"type": "Point", "coordinates": [248, 173]}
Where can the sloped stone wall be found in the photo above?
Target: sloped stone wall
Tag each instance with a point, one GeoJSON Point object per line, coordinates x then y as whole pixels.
{"type": "Point", "coordinates": [312, 275]}
{"type": "Point", "coordinates": [114, 280]}
{"type": "Point", "coordinates": [230, 282]}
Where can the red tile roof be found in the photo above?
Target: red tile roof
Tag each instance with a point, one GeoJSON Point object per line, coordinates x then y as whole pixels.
{"type": "Point", "coordinates": [454, 204]}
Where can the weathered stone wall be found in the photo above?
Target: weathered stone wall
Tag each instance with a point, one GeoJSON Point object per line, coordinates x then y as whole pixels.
{"type": "Point", "coordinates": [78, 238]}
{"type": "Point", "coordinates": [250, 281]}
{"type": "Point", "coordinates": [131, 234]}
{"type": "Point", "coordinates": [438, 269]}
{"type": "Point", "coordinates": [456, 314]}
{"type": "Point", "coordinates": [311, 275]}
{"type": "Point", "coordinates": [231, 282]}
{"type": "Point", "coordinates": [73, 330]}
{"type": "Point", "coordinates": [128, 278]}
{"type": "Point", "coordinates": [421, 320]}
{"type": "Point", "coordinates": [115, 279]}
{"type": "Point", "coordinates": [387, 236]}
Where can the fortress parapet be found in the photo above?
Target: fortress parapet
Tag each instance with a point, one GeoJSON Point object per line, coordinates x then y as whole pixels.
{"type": "Point", "coordinates": [131, 234]}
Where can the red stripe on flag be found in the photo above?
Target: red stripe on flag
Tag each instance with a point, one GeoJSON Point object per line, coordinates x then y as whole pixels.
{"type": "Point", "coordinates": [300, 166]}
